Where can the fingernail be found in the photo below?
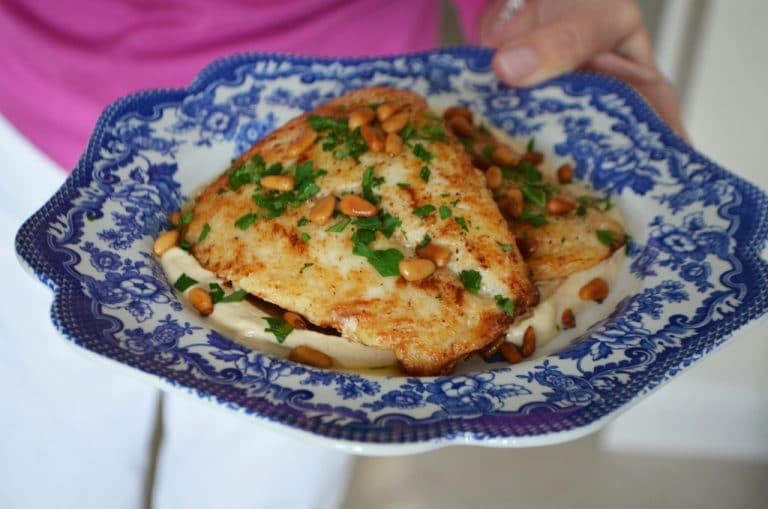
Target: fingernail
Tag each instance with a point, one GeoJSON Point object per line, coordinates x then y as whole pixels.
{"type": "Point", "coordinates": [517, 63]}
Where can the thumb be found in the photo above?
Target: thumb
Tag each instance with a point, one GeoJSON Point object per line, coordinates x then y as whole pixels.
{"type": "Point", "coordinates": [566, 43]}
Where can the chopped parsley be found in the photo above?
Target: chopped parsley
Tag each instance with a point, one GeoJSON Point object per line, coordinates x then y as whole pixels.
{"type": "Point", "coordinates": [369, 182]}
{"type": "Point", "coordinates": [403, 185]}
{"type": "Point", "coordinates": [425, 173]}
{"type": "Point", "coordinates": [487, 151]}
{"type": "Point", "coordinates": [607, 237]}
{"type": "Point", "coordinates": [388, 224]}
{"type": "Point", "coordinates": [337, 138]}
{"type": "Point", "coordinates": [305, 267]}
{"type": "Point", "coordinates": [422, 153]}
{"type": "Point", "coordinates": [425, 241]}
{"type": "Point", "coordinates": [385, 261]}
{"type": "Point", "coordinates": [339, 227]}
{"type": "Point", "coordinates": [534, 194]}
{"type": "Point", "coordinates": [445, 212]}
{"type": "Point", "coordinates": [425, 210]}
{"type": "Point", "coordinates": [184, 282]}
{"type": "Point", "coordinates": [462, 222]}
{"type": "Point", "coordinates": [505, 248]}
{"type": "Point", "coordinates": [302, 222]}
{"type": "Point", "coordinates": [217, 294]}
{"type": "Point", "coordinates": [531, 145]}
{"type": "Point", "coordinates": [602, 204]}
{"type": "Point", "coordinates": [235, 296]}
{"type": "Point", "coordinates": [252, 172]}
{"type": "Point", "coordinates": [305, 237]}
{"type": "Point", "coordinates": [532, 218]}
{"type": "Point", "coordinates": [471, 280]}
{"type": "Point", "coordinates": [505, 305]}
{"type": "Point", "coordinates": [184, 220]}
{"type": "Point", "coordinates": [246, 221]}
{"type": "Point", "coordinates": [204, 232]}
{"type": "Point", "coordinates": [279, 327]}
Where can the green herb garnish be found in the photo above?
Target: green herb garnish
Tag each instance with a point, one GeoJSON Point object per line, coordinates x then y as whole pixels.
{"type": "Point", "coordinates": [369, 182]}
{"type": "Point", "coordinates": [422, 153]}
{"type": "Point", "coordinates": [607, 237]}
{"type": "Point", "coordinates": [302, 222]}
{"type": "Point", "coordinates": [424, 211]}
{"type": "Point", "coordinates": [425, 241]}
{"type": "Point", "coordinates": [531, 145]}
{"type": "Point", "coordinates": [445, 212]}
{"type": "Point", "coordinates": [385, 261]}
{"type": "Point", "coordinates": [471, 280]}
{"type": "Point", "coordinates": [505, 304]}
{"type": "Point", "coordinates": [403, 185]}
{"type": "Point", "coordinates": [534, 194]}
{"type": "Point", "coordinates": [305, 237]}
{"type": "Point", "coordinates": [505, 248]}
{"type": "Point", "coordinates": [425, 173]}
{"type": "Point", "coordinates": [462, 222]}
{"type": "Point", "coordinates": [184, 282]}
{"type": "Point", "coordinates": [279, 327]}
{"type": "Point", "coordinates": [306, 266]}
{"type": "Point", "coordinates": [532, 218]}
{"type": "Point", "coordinates": [337, 138]}
{"type": "Point", "coordinates": [246, 221]}
{"type": "Point", "coordinates": [339, 227]}
{"type": "Point", "coordinates": [204, 232]}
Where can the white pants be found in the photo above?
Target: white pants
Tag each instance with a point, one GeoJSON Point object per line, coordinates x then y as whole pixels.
{"type": "Point", "coordinates": [75, 433]}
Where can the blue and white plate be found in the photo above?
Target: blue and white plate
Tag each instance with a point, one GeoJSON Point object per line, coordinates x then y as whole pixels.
{"type": "Point", "coordinates": [694, 276]}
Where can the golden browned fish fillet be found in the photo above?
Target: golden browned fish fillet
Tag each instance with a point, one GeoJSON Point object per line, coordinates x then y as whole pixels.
{"type": "Point", "coordinates": [560, 229]}
{"type": "Point", "coordinates": [346, 273]}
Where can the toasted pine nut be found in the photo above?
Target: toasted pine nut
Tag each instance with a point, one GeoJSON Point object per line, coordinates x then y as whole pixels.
{"type": "Point", "coordinates": [493, 177]}
{"type": "Point", "coordinates": [322, 210]}
{"type": "Point", "coordinates": [361, 117]}
{"type": "Point", "coordinates": [534, 157]}
{"type": "Point", "coordinates": [513, 202]}
{"type": "Point", "coordinates": [385, 111]}
{"type": "Point", "coordinates": [460, 125]}
{"type": "Point", "coordinates": [511, 353]}
{"type": "Point", "coordinates": [438, 254]}
{"type": "Point", "coordinates": [165, 241]}
{"type": "Point", "coordinates": [526, 246]}
{"type": "Point", "coordinates": [395, 123]}
{"type": "Point", "coordinates": [490, 349]}
{"type": "Point", "coordinates": [568, 319]}
{"type": "Point", "coordinates": [295, 320]}
{"type": "Point", "coordinates": [559, 206]}
{"type": "Point", "coordinates": [372, 138]}
{"type": "Point", "coordinates": [278, 182]}
{"type": "Point", "coordinates": [565, 174]}
{"type": "Point", "coordinates": [393, 144]}
{"type": "Point", "coordinates": [201, 301]}
{"type": "Point", "coordinates": [175, 219]}
{"type": "Point", "coordinates": [416, 269]}
{"type": "Point", "coordinates": [301, 143]}
{"type": "Point", "coordinates": [307, 355]}
{"type": "Point", "coordinates": [529, 342]}
{"type": "Point", "coordinates": [355, 206]}
{"type": "Point", "coordinates": [596, 290]}
{"type": "Point", "coordinates": [457, 111]}
{"type": "Point", "coordinates": [504, 155]}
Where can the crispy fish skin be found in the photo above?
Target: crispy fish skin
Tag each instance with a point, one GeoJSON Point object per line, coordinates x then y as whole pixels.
{"type": "Point", "coordinates": [428, 324]}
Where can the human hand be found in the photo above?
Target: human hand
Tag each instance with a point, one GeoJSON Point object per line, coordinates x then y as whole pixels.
{"type": "Point", "coordinates": [546, 38]}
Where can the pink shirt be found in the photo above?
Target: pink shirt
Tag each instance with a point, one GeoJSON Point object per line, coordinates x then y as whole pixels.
{"type": "Point", "coordinates": [62, 62]}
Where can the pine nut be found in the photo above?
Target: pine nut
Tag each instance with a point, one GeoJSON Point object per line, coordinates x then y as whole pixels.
{"type": "Point", "coordinates": [504, 155]}
{"type": "Point", "coordinates": [302, 143]}
{"type": "Point", "coordinates": [535, 158]}
{"type": "Point", "coordinates": [395, 123]}
{"type": "Point", "coordinates": [511, 353]}
{"type": "Point", "coordinates": [461, 126]}
{"type": "Point", "coordinates": [596, 290]}
{"type": "Point", "coordinates": [568, 319]}
{"type": "Point", "coordinates": [201, 301]}
{"type": "Point", "coordinates": [529, 342]}
{"type": "Point", "coordinates": [385, 111]}
{"type": "Point", "coordinates": [278, 182]}
{"type": "Point", "coordinates": [526, 246]}
{"type": "Point", "coordinates": [565, 174]}
{"type": "Point", "coordinates": [372, 138]}
{"type": "Point", "coordinates": [361, 117]}
{"type": "Point", "coordinates": [165, 241]}
{"type": "Point", "coordinates": [493, 177]}
{"type": "Point", "coordinates": [513, 202]}
{"type": "Point", "coordinates": [416, 269]}
{"type": "Point", "coordinates": [175, 219]}
{"type": "Point", "coordinates": [559, 206]}
{"type": "Point", "coordinates": [393, 144]}
{"type": "Point", "coordinates": [457, 111]}
{"type": "Point", "coordinates": [295, 320]}
{"type": "Point", "coordinates": [307, 355]}
{"type": "Point", "coordinates": [355, 206]}
{"type": "Point", "coordinates": [438, 254]}
{"type": "Point", "coordinates": [322, 210]}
